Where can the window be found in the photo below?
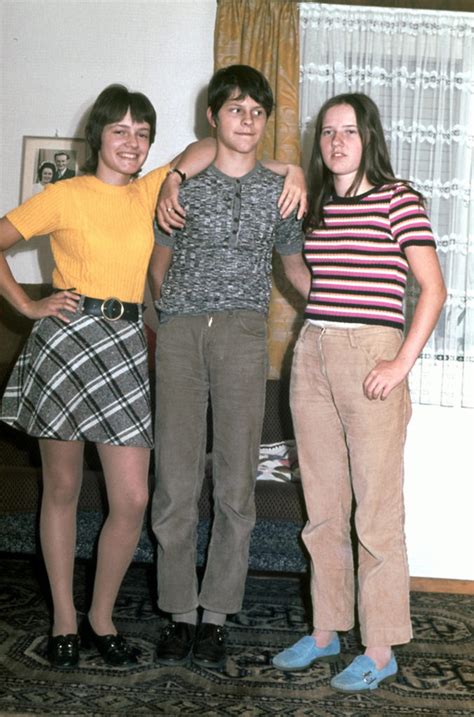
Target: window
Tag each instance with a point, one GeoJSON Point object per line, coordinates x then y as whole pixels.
{"type": "Point", "coordinates": [418, 67]}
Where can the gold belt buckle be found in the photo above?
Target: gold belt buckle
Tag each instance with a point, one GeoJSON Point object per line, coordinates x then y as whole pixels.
{"type": "Point", "coordinates": [109, 306]}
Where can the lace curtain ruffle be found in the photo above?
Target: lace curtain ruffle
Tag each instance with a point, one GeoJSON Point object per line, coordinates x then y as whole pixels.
{"type": "Point", "coordinates": [418, 66]}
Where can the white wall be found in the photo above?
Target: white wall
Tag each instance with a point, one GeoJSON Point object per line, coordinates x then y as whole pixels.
{"type": "Point", "coordinates": [56, 55]}
{"type": "Point", "coordinates": [439, 492]}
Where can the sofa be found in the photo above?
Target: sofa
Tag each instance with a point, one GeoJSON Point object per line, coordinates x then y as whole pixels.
{"type": "Point", "coordinates": [275, 544]}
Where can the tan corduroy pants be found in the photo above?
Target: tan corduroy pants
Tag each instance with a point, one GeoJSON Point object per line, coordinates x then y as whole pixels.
{"type": "Point", "coordinates": [350, 451]}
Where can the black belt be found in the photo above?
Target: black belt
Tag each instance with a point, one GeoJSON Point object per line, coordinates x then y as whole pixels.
{"type": "Point", "coordinates": [111, 309]}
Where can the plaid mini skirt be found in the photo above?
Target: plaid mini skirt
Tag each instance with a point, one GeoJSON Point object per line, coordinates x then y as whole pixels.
{"type": "Point", "coordinates": [83, 381]}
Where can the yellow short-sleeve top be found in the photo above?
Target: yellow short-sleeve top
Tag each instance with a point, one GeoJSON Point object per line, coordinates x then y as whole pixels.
{"type": "Point", "coordinates": [101, 234]}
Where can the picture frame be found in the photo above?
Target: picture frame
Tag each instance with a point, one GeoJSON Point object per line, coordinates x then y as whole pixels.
{"type": "Point", "coordinates": [43, 157]}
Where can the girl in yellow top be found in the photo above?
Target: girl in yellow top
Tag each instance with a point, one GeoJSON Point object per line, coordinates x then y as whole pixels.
{"type": "Point", "coordinates": [83, 373]}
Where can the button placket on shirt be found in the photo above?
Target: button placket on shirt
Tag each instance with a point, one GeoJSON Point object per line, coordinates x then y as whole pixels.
{"type": "Point", "coordinates": [236, 206]}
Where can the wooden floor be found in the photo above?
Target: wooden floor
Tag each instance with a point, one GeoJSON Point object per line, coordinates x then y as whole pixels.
{"type": "Point", "coordinates": [441, 585]}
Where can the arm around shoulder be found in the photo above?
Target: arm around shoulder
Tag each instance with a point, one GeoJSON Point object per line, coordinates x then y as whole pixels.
{"type": "Point", "coordinates": [294, 194]}
{"type": "Point", "coordinates": [196, 157]}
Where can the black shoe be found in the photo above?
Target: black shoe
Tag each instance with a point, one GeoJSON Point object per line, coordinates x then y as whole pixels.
{"type": "Point", "coordinates": [175, 643]}
{"type": "Point", "coordinates": [113, 648]}
{"type": "Point", "coordinates": [209, 646]}
{"type": "Point", "coordinates": [63, 651]}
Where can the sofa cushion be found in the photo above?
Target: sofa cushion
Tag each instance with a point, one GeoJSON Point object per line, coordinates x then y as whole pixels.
{"type": "Point", "coordinates": [278, 461]}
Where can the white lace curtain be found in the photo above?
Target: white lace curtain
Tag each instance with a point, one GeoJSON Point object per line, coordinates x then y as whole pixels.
{"type": "Point", "coordinates": [418, 66]}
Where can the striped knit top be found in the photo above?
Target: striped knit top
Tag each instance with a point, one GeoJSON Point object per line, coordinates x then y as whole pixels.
{"type": "Point", "coordinates": [357, 259]}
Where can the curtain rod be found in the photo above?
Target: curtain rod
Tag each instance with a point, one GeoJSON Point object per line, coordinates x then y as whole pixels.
{"type": "Point", "coordinates": [441, 5]}
{"type": "Point", "coordinates": [450, 5]}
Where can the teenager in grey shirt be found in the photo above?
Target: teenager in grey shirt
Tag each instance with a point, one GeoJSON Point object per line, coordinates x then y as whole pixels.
{"type": "Point", "coordinates": [212, 283]}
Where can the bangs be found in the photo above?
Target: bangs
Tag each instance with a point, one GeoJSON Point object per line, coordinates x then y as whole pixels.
{"type": "Point", "coordinates": [141, 109]}
{"type": "Point", "coordinates": [110, 107]}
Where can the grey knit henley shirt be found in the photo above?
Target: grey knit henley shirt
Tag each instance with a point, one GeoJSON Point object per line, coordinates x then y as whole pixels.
{"type": "Point", "coordinates": [222, 258]}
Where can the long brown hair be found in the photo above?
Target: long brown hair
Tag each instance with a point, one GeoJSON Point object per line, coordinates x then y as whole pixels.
{"type": "Point", "coordinates": [375, 160]}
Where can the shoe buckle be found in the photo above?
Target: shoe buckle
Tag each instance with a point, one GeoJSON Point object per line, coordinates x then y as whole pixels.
{"type": "Point", "coordinates": [369, 677]}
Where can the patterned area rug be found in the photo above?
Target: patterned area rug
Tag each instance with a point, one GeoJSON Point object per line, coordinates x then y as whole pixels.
{"type": "Point", "coordinates": [436, 670]}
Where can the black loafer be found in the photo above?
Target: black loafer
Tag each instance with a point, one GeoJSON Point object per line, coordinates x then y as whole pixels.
{"type": "Point", "coordinates": [113, 648]}
{"type": "Point", "coordinates": [209, 646]}
{"type": "Point", "coordinates": [63, 651]}
{"type": "Point", "coordinates": [175, 643]}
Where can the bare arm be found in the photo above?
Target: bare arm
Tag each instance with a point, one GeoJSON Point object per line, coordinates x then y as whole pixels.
{"type": "Point", "coordinates": [387, 375]}
{"type": "Point", "coordinates": [9, 288]}
{"type": "Point", "coordinates": [159, 265]}
{"type": "Point", "coordinates": [14, 294]}
{"type": "Point", "coordinates": [196, 157]}
{"type": "Point", "coordinates": [294, 192]}
{"type": "Point", "coordinates": [297, 273]}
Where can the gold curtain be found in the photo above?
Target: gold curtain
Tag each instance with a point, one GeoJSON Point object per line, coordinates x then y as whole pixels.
{"type": "Point", "coordinates": [265, 35]}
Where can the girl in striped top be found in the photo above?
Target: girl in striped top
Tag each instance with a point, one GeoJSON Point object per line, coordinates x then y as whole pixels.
{"type": "Point", "coordinates": [349, 394]}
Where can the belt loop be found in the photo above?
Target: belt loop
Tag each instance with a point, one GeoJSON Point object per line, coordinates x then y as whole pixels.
{"type": "Point", "coordinates": [352, 338]}
{"type": "Point", "coordinates": [303, 331]}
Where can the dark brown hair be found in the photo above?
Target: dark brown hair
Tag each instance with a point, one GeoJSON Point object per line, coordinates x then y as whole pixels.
{"type": "Point", "coordinates": [111, 106]}
{"type": "Point", "coordinates": [248, 81]}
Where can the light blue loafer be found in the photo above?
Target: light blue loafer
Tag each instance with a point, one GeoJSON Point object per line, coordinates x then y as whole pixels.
{"type": "Point", "coordinates": [362, 675]}
{"type": "Point", "coordinates": [305, 653]}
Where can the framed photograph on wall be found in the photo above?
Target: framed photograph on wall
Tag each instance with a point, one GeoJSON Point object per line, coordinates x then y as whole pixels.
{"type": "Point", "coordinates": [47, 160]}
